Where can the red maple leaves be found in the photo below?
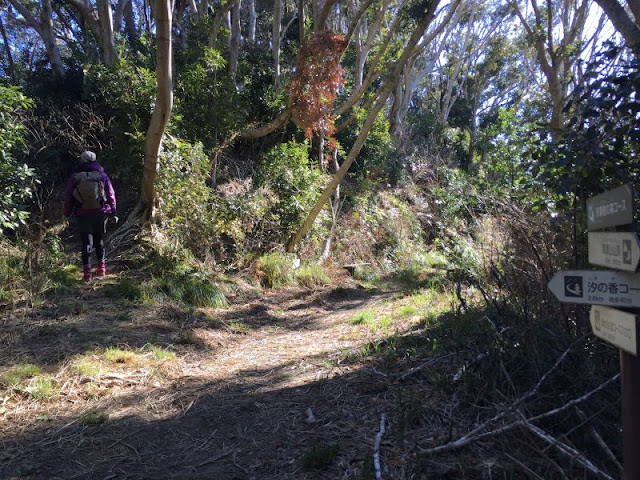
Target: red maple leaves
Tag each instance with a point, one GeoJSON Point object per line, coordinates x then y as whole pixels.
{"type": "Point", "coordinates": [315, 85]}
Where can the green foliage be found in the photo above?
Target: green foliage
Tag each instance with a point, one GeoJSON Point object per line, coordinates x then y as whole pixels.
{"type": "Point", "coordinates": [507, 144]}
{"type": "Point", "coordinates": [377, 158]}
{"type": "Point", "coordinates": [16, 179]}
{"type": "Point", "coordinates": [94, 417]}
{"type": "Point", "coordinates": [599, 149]}
{"type": "Point", "coordinates": [184, 198]}
{"type": "Point", "coordinates": [125, 288]}
{"type": "Point", "coordinates": [312, 276]}
{"type": "Point", "coordinates": [18, 374]}
{"type": "Point", "coordinates": [193, 289]}
{"type": "Point", "coordinates": [275, 269]}
{"type": "Point", "coordinates": [32, 268]}
{"type": "Point", "coordinates": [124, 92]}
{"type": "Point", "coordinates": [206, 101]}
{"type": "Point", "coordinates": [287, 172]}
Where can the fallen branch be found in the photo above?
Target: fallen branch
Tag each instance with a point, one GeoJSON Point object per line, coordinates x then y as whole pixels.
{"type": "Point", "coordinates": [376, 449]}
{"type": "Point", "coordinates": [478, 432]}
{"type": "Point", "coordinates": [567, 450]}
{"type": "Point", "coordinates": [596, 436]}
{"type": "Point", "coordinates": [425, 364]}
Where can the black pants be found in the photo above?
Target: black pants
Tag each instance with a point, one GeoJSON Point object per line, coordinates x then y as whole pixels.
{"type": "Point", "coordinates": [92, 229]}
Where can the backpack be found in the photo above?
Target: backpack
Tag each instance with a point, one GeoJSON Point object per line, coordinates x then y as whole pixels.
{"type": "Point", "coordinates": [89, 190]}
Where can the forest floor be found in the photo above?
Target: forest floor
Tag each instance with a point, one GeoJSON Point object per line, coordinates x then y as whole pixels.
{"type": "Point", "coordinates": [289, 383]}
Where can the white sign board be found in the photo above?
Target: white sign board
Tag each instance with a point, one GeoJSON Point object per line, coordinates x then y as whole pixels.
{"type": "Point", "coordinates": [611, 208]}
{"type": "Point", "coordinates": [602, 287]}
{"type": "Point", "coordinates": [614, 326]}
{"type": "Point", "coordinates": [619, 250]}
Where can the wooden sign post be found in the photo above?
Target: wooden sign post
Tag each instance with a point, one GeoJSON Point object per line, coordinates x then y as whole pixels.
{"type": "Point", "coordinates": [606, 289]}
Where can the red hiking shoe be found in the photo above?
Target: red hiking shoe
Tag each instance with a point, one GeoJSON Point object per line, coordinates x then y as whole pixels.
{"type": "Point", "coordinates": [86, 277]}
{"type": "Point", "coordinates": [101, 271]}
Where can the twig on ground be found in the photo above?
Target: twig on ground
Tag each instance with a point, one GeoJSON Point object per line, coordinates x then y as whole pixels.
{"type": "Point", "coordinates": [121, 439]}
{"type": "Point", "coordinates": [596, 436]}
{"type": "Point", "coordinates": [376, 449]}
{"type": "Point", "coordinates": [575, 401]}
{"type": "Point", "coordinates": [524, 467]}
{"type": "Point", "coordinates": [211, 460]}
{"type": "Point", "coordinates": [476, 433]}
{"type": "Point", "coordinates": [425, 364]}
{"type": "Point", "coordinates": [567, 450]}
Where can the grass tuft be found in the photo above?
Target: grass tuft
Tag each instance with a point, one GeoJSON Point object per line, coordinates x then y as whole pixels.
{"type": "Point", "coordinates": [40, 389]}
{"type": "Point", "coordinates": [275, 270]}
{"type": "Point", "coordinates": [116, 355]}
{"type": "Point", "coordinates": [94, 417]}
{"type": "Point", "coordinates": [192, 289]}
{"type": "Point", "coordinates": [160, 353]}
{"type": "Point", "coordinates": [18, 374]}
{"type": "Point", "coordinates": [312, 276]}
{"type": "Point", "coordinates": [126, 289]}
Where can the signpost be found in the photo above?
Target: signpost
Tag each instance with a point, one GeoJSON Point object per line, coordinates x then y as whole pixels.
{"type": "Point", "coordinates": [611, 208]}
{"type": "Point", "coordinates": [601, 287]}
{"type": "Point", "coordinates": [619, 250]}
{"type": "Point", "coordinates": [604, 289]}
{"type": "Point", "coordinates": [615, 326]}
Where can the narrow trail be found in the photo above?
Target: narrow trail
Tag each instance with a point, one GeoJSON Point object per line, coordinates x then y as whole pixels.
{"type": "Point", "coordinates": [255, 388]}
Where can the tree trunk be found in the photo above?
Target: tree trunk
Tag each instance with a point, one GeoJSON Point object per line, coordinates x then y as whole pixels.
{"type": "Point", "coordinates": [234, 47]}
{"type": "Point", "coordinates": [221, 13]}
{"type": "Point", "coordinates": [382, 97]}
{"type": "Point", "coordinates": [107, 42]}
{"type": "Point", "coordinates": [622, 22]}
{"type": "Point", "coordinates": [44, 27]}
{"type": "Point", "coordinates": [252, 20]}
{"type": "Point", "coordinates": [7, 48]}
{"type": "Point", "coordinates": [162, 109]}
{"type": "Point", "coordinates": [130, 26]}
{"type": "Point", "coordinates": [275, 43]}
{"type": "Point", "coordinates": [301, 20]}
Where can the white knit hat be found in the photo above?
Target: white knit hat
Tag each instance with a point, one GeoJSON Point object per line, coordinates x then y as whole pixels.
{"type": "Point", "coordinates": [87, 156]}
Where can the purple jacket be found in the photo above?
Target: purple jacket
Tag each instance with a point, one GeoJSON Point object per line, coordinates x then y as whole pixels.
{"type": "Point", "coordinates": [108, 208]}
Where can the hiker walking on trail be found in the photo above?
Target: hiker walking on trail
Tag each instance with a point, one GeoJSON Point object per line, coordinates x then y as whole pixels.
{"type": "Point", "coordinates": [91, 198]}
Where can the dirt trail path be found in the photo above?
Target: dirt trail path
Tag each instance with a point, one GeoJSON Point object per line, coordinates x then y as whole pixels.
{"type": "Point", "coordinates": [264, 389]}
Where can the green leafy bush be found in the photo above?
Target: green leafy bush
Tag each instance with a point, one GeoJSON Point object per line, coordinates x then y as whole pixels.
{"type": "Point", "coordinates": [275, 269]}
{"type": "Point", "coordinates": [185, 208]}
{"type": "Point", "coordinates": [295, 183]}
{"type": "Point", "coordinates": [16, 179]}
{"type": "Point", "coordinates": [125, 93]}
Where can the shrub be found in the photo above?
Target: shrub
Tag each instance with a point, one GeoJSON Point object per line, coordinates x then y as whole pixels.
{"type": "Point", "coordinates": [15, 179]}
{"type": "Point", "coordinates": [295, 183]}
{"type": "Point", "coordinates": [275, 269]}
{"type": "Point", "coordinates": [312, 276]}
{"type": "Point", "coordinates": [194, 289]}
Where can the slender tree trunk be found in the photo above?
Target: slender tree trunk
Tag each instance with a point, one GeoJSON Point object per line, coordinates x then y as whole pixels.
{"type": "Point", "coordinates": [130, 26]}
{"type": "Point", "coordinates": [275, 43]}
{"type": "Point", "coordinates": [382, 97]}
{"type": "Point", "coordinates": [252, 20]}
{"type": "Point", "coordinates": [301, 20]}
{"type": "Point", "coordinates": [234, 47]}
{"type": "Point", "coordinates": [7, 49]}
{"type": "Point", "coordinates": [105, 22]}
{"type": "Point", "coordinates": [221, 14]}
{"type": "Point", "coordinates": [44, 27]}
{"type": "Point", "coordinates": [162, 109]}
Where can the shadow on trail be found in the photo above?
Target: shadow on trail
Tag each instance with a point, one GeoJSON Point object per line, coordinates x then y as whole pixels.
{"type": "Point", "coordinates": [250, 426]}
{"type": "Point", "coordinates": [87, 320]}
